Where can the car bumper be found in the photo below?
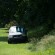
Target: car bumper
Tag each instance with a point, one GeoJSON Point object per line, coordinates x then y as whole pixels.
{"type": "Point", "coordinates": [18, 38]}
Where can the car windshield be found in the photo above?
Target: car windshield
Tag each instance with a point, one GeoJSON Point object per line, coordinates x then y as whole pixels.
{"type": "Point", "coordinates": [20, 29]}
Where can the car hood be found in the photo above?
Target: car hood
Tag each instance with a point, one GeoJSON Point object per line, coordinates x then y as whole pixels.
{"type": "Point", "coordinates": [15, 33]}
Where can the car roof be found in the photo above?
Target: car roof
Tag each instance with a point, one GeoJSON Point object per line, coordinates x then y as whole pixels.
{"type": "Point", "coordinates": [17, 27]}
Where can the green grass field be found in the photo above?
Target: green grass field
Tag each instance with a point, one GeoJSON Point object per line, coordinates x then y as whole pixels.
{"type": "Point", "coordinates": [22, 48]}
{"type": "Point", "coordinates": [12, 49]}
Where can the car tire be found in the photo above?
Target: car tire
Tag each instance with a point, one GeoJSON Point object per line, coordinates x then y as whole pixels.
{"type": "Point", "coordinates": [9, 41]}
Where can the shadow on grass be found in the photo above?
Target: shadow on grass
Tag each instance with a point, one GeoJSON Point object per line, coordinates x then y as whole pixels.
{"type": "Point", "coordinates": [4, 28]}
{"type": "Point", "coordinates": [3, 39]}
{"type": "Point", "coordinates": [16, 42]}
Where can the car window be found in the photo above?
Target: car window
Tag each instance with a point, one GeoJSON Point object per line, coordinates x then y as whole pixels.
{"type": "Point", "coordinates": [19, 29]}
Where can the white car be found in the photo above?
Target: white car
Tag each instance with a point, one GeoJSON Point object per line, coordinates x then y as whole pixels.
{"type": "Point", "coordinates": [17, 34]}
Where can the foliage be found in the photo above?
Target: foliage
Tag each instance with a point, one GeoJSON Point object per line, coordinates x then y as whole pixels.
{"type": "Point", "coordinates": [27, 12]}
{"type": "Point", "coordinates": [11, 23]}
{"type": "Point", "coordinates": [45, 46]}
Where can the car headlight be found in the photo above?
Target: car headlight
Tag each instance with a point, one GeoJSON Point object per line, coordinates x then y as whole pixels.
{"type": "Point", "coordinates": [10, 36]}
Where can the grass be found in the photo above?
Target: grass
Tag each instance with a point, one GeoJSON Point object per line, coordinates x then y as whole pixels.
{"type": "Point", "coordinates": [44, 47]}
{"type": "Point", "coordinates": [12, 49]}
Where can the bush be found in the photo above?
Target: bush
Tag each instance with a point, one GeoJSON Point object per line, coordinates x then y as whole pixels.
{"type": "Point", "coordinates": [11, 23]}
{"type": "Point", "coordinates": [38, 32]}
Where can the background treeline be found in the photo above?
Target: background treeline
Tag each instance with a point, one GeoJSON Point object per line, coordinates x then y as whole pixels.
{"type": "Point", "coordinates": [36, 15]}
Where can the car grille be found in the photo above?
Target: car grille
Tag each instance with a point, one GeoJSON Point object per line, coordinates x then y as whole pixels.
{"type": "Point", "coordinates": [17, 36]}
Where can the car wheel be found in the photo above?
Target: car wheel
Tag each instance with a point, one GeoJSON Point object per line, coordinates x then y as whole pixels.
{"type": "Point", "coordinates": [9, 41]}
